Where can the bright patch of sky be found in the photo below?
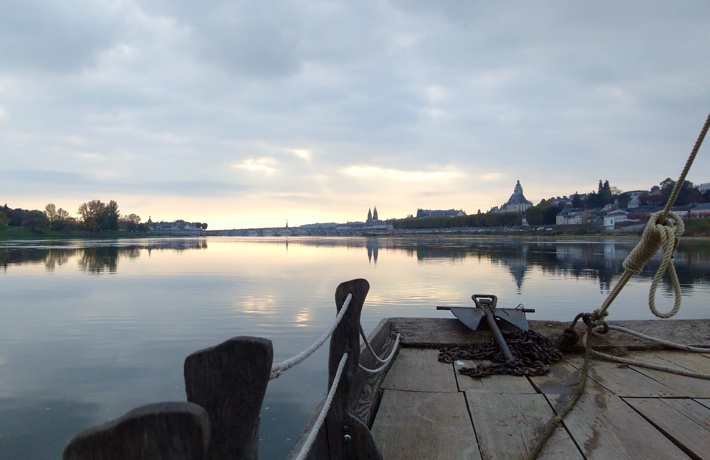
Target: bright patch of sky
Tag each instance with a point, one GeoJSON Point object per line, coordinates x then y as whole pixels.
{"type": "Point", "coordinates": [245, 114]}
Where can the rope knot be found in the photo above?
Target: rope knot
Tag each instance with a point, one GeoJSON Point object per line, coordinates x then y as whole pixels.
{"type": "Point", "coordinates": [659, 231]}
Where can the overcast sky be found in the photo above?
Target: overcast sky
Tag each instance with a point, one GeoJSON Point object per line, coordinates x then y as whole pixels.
{"type": "Point", "coordinates": [249, 113]}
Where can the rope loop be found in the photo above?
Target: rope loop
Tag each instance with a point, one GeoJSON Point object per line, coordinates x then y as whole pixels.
{"type": "Point", "coordinates": [659, 231]}
{"type": "Point", "coordinates": [664, 233]}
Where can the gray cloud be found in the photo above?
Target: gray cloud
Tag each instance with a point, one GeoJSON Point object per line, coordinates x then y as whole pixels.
{"type": "Point", "coordinates": [167, 97]}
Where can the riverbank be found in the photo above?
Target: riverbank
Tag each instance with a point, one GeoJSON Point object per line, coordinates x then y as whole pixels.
{"type": "Point", "coordinates": [694, 228]}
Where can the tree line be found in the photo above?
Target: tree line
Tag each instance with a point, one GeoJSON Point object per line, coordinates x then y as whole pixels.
{"type": "Point", "coordinates": [93, 216]}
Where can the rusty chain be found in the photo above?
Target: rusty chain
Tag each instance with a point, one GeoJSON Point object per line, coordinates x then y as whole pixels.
{"type": "Point", "coordinates": [533, 353]}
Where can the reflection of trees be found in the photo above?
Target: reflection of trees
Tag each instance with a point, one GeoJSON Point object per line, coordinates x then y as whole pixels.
{"type": "Point", "coordinates": [98, 257]}
{"type": "Point", "coordinates": [56, 257]}
{"type": "Point", "coordinates": [99, 260]}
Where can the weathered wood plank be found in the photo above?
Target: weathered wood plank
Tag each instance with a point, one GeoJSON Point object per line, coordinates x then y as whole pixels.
{"type": "Point", "coordinates": [425, 426]}
{"type": "Point", "coordinates": [438, 332]}
{"type": "Point", "coordinates": [508, 425]}
{"type": "Point", "coordinates": [170, 430]}
{"type": "Point", "coordinates": [623, 380]}
{"type": "Point", "coordinates": [684, 421]}
{"type": "Point", "coordinates": [649, 382]}
{"type": "Point", "coordinates": [492, 384]}
{"type": "Point", "coordinates": [605, 427]}
{"type": "Point", "coordinates": [680, 385]}
{"type": "Point", "coordinates": [563, 378]}
{"type": "Point", "coordinates": [697, 362]}
{"type": "Point", "coordinates": [420, 370]}
{"type": "Point", "coordinates": [704, 402]}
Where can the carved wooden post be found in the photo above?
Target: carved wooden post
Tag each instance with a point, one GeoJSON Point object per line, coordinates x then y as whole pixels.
{"type": "Point", "coordinates": [229, 380]}
{"type": "Point", "coordinates": [348, 436]}
{"type": "Point", "coordinates": [169, 430]}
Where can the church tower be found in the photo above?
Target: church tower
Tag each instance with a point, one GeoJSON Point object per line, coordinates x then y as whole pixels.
{"type": "Point", "coordinates": [374, 215]}
{"type": "Point", "coordinates": [369, 215]}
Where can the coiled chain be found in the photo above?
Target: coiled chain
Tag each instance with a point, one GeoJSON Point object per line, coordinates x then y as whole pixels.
{"type": "Point", "coordinates": [532, 352]}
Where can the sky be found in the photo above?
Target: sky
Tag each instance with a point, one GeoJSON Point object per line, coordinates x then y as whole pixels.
{"type": "Point", "coordinates": [254, 113]}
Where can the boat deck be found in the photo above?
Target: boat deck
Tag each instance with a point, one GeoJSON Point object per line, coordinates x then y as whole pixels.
{"type": "Point", "coordinates": [430, 411]}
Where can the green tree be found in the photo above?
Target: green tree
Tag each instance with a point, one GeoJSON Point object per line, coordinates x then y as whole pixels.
{"type": "Point", "coordinates": [35, 220]}
{"type": "Point", "coordinates": [4, 220]}
{"type": "Point", "coordinates": [109, 216]}
{"type": "Point", "coordinates": [90, 212]}
{"type": "Point", "coordinates": [130, 222]}
{"type": "Point", "coordinates": [51, 211]}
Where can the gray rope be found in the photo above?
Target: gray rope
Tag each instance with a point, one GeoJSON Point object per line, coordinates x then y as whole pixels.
{"type": "Point", "coordinates": [385, 361]}
{"type": "Point", "coordinates": [324, 410]}
{"type": "Point", "coordinates": [279, 368]}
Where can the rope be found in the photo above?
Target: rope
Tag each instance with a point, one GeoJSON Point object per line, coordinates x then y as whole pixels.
{"type": "Point", "coordinates": [667, 343]}
{"type": "Point", "coordinates": [557, 419]}
{"type": "Point", "coordinates": [659, 232]}
{"type": "Point", "coordinates": [369, 347]}
{"type": "Point", "coordinates": [657, 367]}
{"type": "Point", "coordinates": [655, 235]}
{"type": "Point", "coordinates": [385, 362]}
{"type": "Point", "coordinates": [279, 368]}
{"type": "Point", "coordinates": [324, 411]}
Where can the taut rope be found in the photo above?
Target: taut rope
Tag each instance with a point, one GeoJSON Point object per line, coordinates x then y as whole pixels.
{"type": "Point", "coordinates": [278, 369]}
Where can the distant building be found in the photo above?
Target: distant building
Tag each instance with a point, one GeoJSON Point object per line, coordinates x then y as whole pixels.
{"type": "Point", "coordinates": [572, 216]}
{"type": "Point", "coordinates": [439, 213]}
{"type": "Point", "coordinates": [516, 202]}
{"type": "Point", "coordinates": [375, 225]}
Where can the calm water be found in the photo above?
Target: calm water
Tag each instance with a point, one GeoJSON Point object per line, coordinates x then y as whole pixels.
{"type": "Point", "coordinates": [92, 329]}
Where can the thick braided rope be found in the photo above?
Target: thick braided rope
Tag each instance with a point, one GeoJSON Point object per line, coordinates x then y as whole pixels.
{"type": "Point", "coordinates": [279, 368]}
{"type": "Point", "coordinates": [668, 343]}
{"type": "Point", "coordinates": [658, 367]}
{"type": "Point", "coordinates": [659, 233]}
{"type": "Point", "coordinates": [324, 410]}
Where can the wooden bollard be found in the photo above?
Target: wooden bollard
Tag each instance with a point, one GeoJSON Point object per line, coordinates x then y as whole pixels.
{"type": "Point", "coordinates": [168, 430]}
{"type": "Point", "coordinates": [348, 437]}
{"type": "Point", "coordinates": [229, 380]}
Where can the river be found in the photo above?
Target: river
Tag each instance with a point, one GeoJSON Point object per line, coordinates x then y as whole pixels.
{"type": "Point", "coordinates": [91, 329]}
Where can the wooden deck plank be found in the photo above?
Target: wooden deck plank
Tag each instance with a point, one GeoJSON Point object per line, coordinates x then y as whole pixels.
{"type": "Point", "coordinates": [564, 377]}
{"type": "Point", "coordinates": [508, 426]}
{"type": "Point", "coordinates": [625, 380]}
{"type": "Point", "coordinates": [492, 384]}
{"type": "Point", "coordinates": [614, 376]}
{"type": "Point", "coordinates": [681, 385]}
{"type": "Point", "coordinates": [605, 427]}
{"type": "Point", "coordinates": [426, 426]}
{"type": "Point", "coordinates": [685, 421]}
{"type": "Point", "coordinates": [704, 402]}
{"type": "Point", "coordinates": [420, 370]}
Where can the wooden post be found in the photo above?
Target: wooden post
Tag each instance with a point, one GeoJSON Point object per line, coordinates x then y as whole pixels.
{"type": "Point", "coordinates": [229, 380]}
{"type": "Point", "coordinates": [169, 430]}
{"type": "Point", "coordinates": [348, 437]}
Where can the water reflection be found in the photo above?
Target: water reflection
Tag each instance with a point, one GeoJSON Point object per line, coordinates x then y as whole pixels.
{"type": "Point", "coordinates": [95, 257]}
{"type": "Point", "coordinates": [599, 260]}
